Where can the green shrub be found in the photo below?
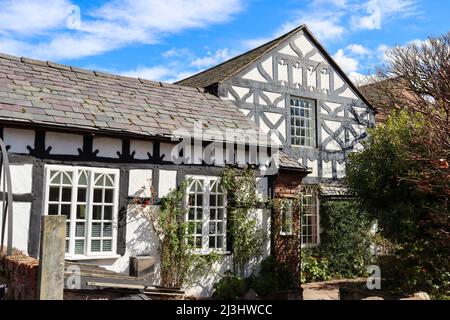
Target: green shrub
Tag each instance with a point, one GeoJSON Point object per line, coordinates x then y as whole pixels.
{"type": "Point", "coordinates": [272, 277]}
{"type": "Point", "coordinates": [345, 248]}
{"type": "Point", "coordinates": [230, 287]}
{"type": "Point", "coordinates": [410, 270]}
{"type": "Point", "coordinates": [346, 240]}
{"type": "Point", "coordinates": [314, 268]}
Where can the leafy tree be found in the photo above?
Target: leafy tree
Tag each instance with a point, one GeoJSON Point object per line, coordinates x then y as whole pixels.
{"type": "Point", "coordinates": [416, 79]}
{"type": "Point", "coordinates": [380, 179]}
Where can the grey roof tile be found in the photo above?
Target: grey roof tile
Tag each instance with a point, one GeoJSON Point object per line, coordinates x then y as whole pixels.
{"type": "Point", "coordinates": [286, 161]}
{"type": "Point", "coordinates": [47, 93]}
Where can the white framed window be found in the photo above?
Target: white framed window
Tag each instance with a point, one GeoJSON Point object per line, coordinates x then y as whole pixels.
{"type": "Point", "coordinates": [286, 218]}
{"type": "Point", "coordinates": [309, 211]}
{"type": "Point", "coordinates": [88, 197]}
{"type": "Point", "coordinates": [303, 122]}
{"type": "Point", "coordinates": [206, 204]}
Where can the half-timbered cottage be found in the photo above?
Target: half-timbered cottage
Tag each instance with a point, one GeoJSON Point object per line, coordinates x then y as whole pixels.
{"type": "Point", "coordinates": [294, 91]}
{"type": "Point", "coordinates": [84, 144]}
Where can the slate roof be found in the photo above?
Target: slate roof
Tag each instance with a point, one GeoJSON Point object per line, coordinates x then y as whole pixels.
{"type": "Point", "coordinates": [333, 191]}
{"type": "Point", "coordinates": [45, 93]}
{"type": "Point", "coordinates": [286, 161]}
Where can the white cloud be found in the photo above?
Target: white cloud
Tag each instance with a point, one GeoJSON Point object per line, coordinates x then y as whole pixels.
{"type": "Point", "coordinates": [360, 79]}
{"type": "Point", "coordinates": [358, 49]}
{"type": "Point", "coordinates": [113, 25]}
{"type": "Point", "coordinates": [377, 11]}
{"type": "Point", "coordinates": [347, 64]}
{"type": "Point", "coordinates": [254, 43]}
{"type": "Point", "coordinates": [175, 52]}
{"type": "Point", "coordinates": [28, 17]}
{"type": "Point", "coordinates": [323, 26]}
{"type": "Point", "coordinates": [157, 73]}
{"type": "Point", "coordinates": [382, 50]}
{"type": "Point", "coordinates": [149, 73]}
{"type": "Point", "coordinates": [212, 58]}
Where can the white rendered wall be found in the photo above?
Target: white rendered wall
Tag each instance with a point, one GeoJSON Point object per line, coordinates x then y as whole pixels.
{"type": "Point", "coordinates": [63, 143]}
{"type": "Point", "coordinates": [141, 239]}
{"type": "Point", "coordinates": [18, 139]}
{"type": "Point", "coordinates": [167, 182]}
{"type": "Point", "coordinates": [107, 147]}
{"type": "Point", "coordinates": [21, 178]}
{"type": "Point", "coordinates": [140, 180]}
{"type": "Point", "coordinates": [141, 149]}
{"type": "Point", "coordinates": [21, 225]}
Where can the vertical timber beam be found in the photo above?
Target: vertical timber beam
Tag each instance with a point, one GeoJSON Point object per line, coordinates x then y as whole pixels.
{"type": "Point", "coordinates": [36, 208]}
{"type": "Point", "coordinates": [51, 258]}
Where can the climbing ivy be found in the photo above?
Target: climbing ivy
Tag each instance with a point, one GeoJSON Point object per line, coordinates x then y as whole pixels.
{"type": "Point", "coordinates": [245, 233]}
{"type": "Point", "coordinates": [180, 265]}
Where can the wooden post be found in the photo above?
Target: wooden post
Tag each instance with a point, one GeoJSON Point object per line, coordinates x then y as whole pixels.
{"type": "Point", "coordinates": [51, 258]}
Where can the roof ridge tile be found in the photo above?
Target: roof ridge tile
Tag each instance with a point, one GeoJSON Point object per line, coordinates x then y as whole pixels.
{"type": "Point", "coordinates": [34, 61]}
{"type": "Point", "coordinates": [80, 70]}
{"type": "Point", "coordinates": [58, 66]}
{"type": "Point", "coordinates": [9, 57]}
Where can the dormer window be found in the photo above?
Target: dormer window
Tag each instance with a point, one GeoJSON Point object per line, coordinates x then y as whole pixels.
{"type": "Point", "coordinates": [303, 122]}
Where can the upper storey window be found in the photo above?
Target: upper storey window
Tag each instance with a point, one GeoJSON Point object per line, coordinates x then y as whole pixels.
{"type": "Point", "coordinates": [303, 126]}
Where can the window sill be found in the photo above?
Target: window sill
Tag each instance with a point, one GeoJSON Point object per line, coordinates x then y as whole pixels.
{"type": "Point", "coordinates": [204, 253]}
{"type": "Point", "coordinates": [86, 258]}
{"type": "Point", "coordinates": [290, 235]}
{"type": "Point", "coordinates": [303, 147]}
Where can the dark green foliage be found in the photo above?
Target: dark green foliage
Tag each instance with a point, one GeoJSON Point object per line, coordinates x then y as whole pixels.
{"type": "Point", "coordinates": [346, 239]}
{"type": "Point", "coordinates": [314, 267]}
{"type": "Point", "coordinates": [416, 268]}
{"type": "Point", "coordinates": [345, 248]}
{"type": "Point", "coordinates": [273, 277]}
{"type": "Point", "coordinates": [230, 287]}
{"type": "Point", "coordinates": [413, 217]}
{"type": "Point", "coordinates": [378, 178]}
{"type": "Point", "coordinates": [245, 233]}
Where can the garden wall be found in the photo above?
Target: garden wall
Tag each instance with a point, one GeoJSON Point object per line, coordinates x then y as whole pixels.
{"type": "Point", "coordinates": [21, 274]}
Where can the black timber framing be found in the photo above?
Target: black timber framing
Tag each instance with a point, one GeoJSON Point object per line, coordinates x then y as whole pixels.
{"type": "Point", "coordinates": [39, 156]}
{"type": "Point", "coordinates": [287, 90]}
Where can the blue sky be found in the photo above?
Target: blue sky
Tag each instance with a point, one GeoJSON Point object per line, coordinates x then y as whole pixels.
{"type": "Point", "coordinates": [170, 39]}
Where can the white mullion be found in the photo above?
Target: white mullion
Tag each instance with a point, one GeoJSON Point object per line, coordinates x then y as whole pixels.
{"type": "Point", "coordinates": [224, 211]}
{"type": "Point", "coordinates": [89, 209]}
{"type": "Point", "coordinates": [73, 212]}
{"type": "Point", "coordinates": [205, 227]}
{"type": "Point", "coordinates": [115, 216]}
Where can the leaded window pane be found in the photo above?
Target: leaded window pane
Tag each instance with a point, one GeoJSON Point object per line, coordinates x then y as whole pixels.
{"type": "Point", "coordinates": [302, 122]}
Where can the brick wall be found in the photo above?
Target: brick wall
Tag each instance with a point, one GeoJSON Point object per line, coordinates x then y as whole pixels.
{"type": "Point", "coordinates": [21, 273]}
{"type": "Point", "coordinates": [286, 248]}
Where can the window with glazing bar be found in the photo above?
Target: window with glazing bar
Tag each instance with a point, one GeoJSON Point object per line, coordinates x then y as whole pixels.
{"type": "Point", "coordinates": [303, 126]}
{"type": "Point", "coordinates": [309, 216]}
{"type": "Point", "coordinates": [88, 197]}
{"type": "Point", "coordinates": [207, 213]}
